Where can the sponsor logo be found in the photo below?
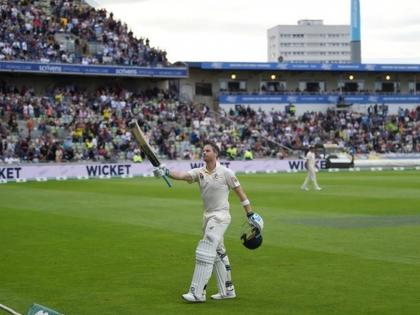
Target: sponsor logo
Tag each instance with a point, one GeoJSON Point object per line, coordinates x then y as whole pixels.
{"type": "Point", "coordinates": [216, 65]}
{"type": "Point", "coordinates": [370, 67]}
{"type": "Point", "coordinates": [10, 172]}
{"type": "Point", "coordinates": [281, 66]}
{"type": "Point", "coordinates": [332, 99]}
{"type": "Point", "coordinates": [125, 71]}
{"type": "Point", "coordinates": [48, 68]}
{"type": "Point", "coordinates": [108, 169]}
{"type": "Point", "coordinates": [326, 66]}
{"type": "Point", "coordinates": [231, 99]}
{"type": "Point", "coordinates": [300, 165]}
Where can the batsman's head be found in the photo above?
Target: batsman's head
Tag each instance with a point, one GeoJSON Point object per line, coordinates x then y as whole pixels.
{"type": "Point", "coordinates": [210, 151]}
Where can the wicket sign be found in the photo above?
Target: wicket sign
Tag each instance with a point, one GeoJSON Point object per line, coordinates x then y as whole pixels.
{"type": "Point", "coordinates": [145, 147]}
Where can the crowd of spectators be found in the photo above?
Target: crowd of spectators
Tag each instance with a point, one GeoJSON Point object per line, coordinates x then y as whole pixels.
{"type": "Point", "coordinates": [70, 124]}
{"type": "Point", "coordinates": [358, 133]}
{"type": "Point", "coordinates": [29, 33]}
{"type": "Point", "coordinates": [74, 124]}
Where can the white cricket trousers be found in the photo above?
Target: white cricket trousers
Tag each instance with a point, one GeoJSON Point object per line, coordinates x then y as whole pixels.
{"type": "Point", "coordinates": [311, 176]}
{"type": "Point", "coordinates": [207, 253]}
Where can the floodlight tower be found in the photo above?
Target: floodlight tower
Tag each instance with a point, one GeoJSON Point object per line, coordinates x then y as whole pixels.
{"type": "Point", "coordinates": [355, 46]}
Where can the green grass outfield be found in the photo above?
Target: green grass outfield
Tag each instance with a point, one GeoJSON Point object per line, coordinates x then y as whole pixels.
{"type": "Point", "coordinates": [126, 246]}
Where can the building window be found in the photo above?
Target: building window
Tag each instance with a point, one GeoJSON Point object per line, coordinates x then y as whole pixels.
{"type": "Point", "coordinates": [271, 86]}
{"type": "Point", "coordinates": [233, 86]}
{"type": "Point", "coordinates": [204, 89]}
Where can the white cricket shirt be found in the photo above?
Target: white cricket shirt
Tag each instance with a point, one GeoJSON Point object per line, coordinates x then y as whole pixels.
{"type": "Point", "coordinates": [214, 187]}
{"type": "Point", "coordinates": [310, 157]}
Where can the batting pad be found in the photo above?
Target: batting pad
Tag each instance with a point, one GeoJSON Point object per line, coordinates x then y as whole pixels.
{"type": "Point", "coordinates": [205, 252]}
{"type": "Point", "coordinates": [205, 256]}
{"type": "Point", "coordinates": [223, 273]}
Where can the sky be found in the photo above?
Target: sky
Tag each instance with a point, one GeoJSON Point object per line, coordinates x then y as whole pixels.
{"type": "Point", "coordinates": [236, 30]}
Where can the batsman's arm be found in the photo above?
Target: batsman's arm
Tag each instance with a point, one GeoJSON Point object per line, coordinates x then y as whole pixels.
{"type": "Point", "coordinates": [180, 175]}
{"type": "Point", "coordinates": [254, 219]}
{"type": "Point", "coordinates": [244, 199]}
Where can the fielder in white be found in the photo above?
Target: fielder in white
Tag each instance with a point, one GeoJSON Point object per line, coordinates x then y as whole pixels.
{"type": "Point", "coordinates": [310, 166]}
{"type": "Point", "coordinates": [214, 181]}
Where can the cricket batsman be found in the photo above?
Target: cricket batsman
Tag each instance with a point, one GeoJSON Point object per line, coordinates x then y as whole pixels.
{"type": "Point", "coordinates": [214, 181]}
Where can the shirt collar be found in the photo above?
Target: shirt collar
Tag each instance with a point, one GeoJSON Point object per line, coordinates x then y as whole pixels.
{"type": "Point", "coordinates": [208, 172]}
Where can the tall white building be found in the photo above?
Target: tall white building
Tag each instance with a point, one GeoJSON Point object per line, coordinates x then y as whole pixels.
{"type": "Point", "coordinates": [310, 41]}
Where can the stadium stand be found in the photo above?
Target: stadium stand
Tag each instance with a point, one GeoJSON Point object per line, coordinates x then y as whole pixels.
{"type": "Point", "coordinates": [71, 32]}
{"type": "Point", "coordinates": [70, 124]}
{"type": "Point", "coordinates": [355, 131]}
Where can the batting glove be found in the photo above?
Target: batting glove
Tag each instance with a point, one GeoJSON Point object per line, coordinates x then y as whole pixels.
{"type": "Point", "coordinates": [157, 172]}
{"type": "Point", "coordinates": [256, 221]}
{"type": "Point", "coordinates": [161, 171]}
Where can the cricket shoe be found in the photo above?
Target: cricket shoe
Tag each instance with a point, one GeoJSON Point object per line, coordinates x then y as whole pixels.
{"type": "Point", "coordinates": [189, 297]}
{"type": "Point", "coordinates": [318, 188]}
{"type": "Point", "coordinates": [304, 188]}
{"type": "Point", "coordinates": [230, 294]}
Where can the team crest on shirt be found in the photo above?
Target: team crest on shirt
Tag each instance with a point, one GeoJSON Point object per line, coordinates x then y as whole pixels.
{"type": "Point", "coordinates": [201, 176]}
{"type": "Point", "coordinates": [215, 176]}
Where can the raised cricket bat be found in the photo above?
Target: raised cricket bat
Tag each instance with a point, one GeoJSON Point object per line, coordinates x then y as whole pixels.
{"type": "Point", "coordinates": [145, 147]}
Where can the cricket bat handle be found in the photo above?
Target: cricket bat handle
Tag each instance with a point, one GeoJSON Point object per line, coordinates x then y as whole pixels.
{"type": "Point", "coordinates": [168, 182]}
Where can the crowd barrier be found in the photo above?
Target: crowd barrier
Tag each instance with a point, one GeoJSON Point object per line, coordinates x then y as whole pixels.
{"type": "Point", "coordinates": [62, 171]}
{"type": "Point", "coordinates": [78, 170]}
